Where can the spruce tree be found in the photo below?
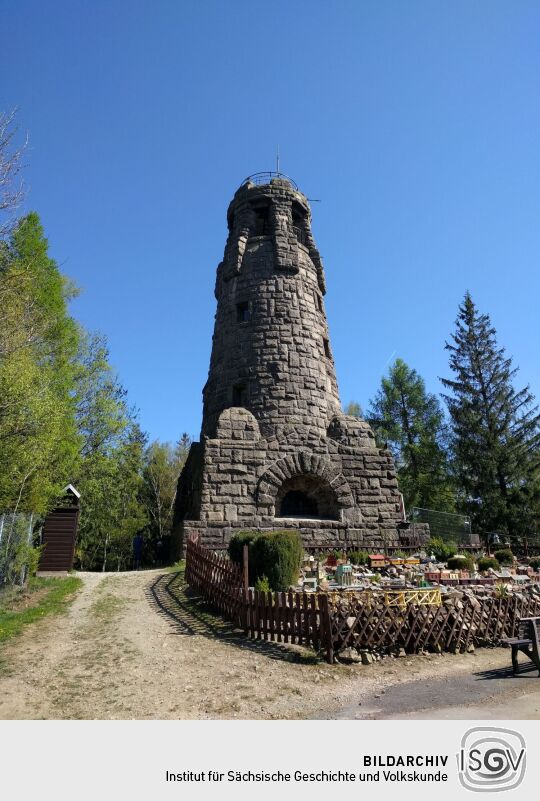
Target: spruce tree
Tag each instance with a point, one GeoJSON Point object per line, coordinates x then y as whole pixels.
{"type": "Point", "coordinates": [411, 422]}
{"type": "Point", "coordinates": [495, 430]}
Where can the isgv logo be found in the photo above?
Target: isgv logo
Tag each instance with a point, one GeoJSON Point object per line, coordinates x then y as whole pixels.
{"type": "Point", "coordinates": [491, 760]}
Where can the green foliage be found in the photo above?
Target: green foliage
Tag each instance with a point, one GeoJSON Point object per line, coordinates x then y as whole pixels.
{"type": "Point", "coordinates": [460, 562]}
{"type": "Point", "coordinates": [495, 430]}
{"type": "Point", "coordinates": [111, 512]}
{"type": "Point", "coordinates": [52, 596]}
{"type": "Point", "coordinates": [487, 562]}
{"type": "Point", "coordinates": [236, 545]}
{"type": "Point", "coordinates": [39, 441]}
{"type": "Point", "coordinates": [535, 562]}
{"type": "Point", "coordinates": [358, 557]}
{"type": "Point", "coordinates": [353, 409]}
{"type": "Point", "coordinates": [177, 567]}
{"type": "Point", "coordinates": [410, 422]}
{"type": "Point", "coordinates": [64, 416]}
{"type": "Point", "coordinates": [262, 584]}
{"type": "Point", "coordinates": [162, 467]}
{"type": "Point", "coordinates": [442, 550]}
{"type": "Point", "coordinates": [375, 578]}
{"type": "Point", "coordinates": [126, 486]}
{"type": "Point", "coordinates": [504, 556]}
{"type": "Point", "coordinates": [19, 558]}
{"type": "Point", "coordinates": [277, 555]}
{"type": "Point", "coordinates": [337, 554]}
{"type": "Point", "coordinates": [501, 590]}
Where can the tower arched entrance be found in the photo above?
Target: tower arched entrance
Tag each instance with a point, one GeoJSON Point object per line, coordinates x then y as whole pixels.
{"type": "Point", "coordinates": [306, 497]}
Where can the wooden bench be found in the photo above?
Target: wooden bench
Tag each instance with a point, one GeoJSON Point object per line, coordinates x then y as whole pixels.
{"type": "Point", "coordinates": [527, 641]}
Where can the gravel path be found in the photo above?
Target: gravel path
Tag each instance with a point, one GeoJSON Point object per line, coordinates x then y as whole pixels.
{"type": "Point", "coordinates": [134, 645]}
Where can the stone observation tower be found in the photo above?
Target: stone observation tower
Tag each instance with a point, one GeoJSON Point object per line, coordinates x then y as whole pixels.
{"type": "Point", "coordinates": [276, 451]}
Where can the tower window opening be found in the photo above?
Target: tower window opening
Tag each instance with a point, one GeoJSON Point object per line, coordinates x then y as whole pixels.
{"type": "Point", "coordinates": [326, 346]}
{"type": "Point", "coordinates": [242, 312]}
{"type": "Point", "coordinates": [319, 302]}
{"type": "Point", "coordinates": [239, 395]}
{"type": "Point", "coordinates": [298, 214]}
{"type": "Point", "coordinates": [299, 223]}
{"type": "Point", "coordinates": [262, 220]}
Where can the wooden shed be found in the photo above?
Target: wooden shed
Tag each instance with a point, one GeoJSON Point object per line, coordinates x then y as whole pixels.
{"type": "Point", "coordinates": [59, 534]}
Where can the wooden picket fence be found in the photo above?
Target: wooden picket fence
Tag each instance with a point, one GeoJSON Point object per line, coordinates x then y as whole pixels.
{"type": "Point", "coordinates": [288, 617]}
{"type": "Point", "coordinates": [332, 623]}
{"type": "Point", "coordinates": [218, 579]}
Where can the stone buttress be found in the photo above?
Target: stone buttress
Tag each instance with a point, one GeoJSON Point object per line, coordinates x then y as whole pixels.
{"type": "Point", "coordinates": [276, 451]}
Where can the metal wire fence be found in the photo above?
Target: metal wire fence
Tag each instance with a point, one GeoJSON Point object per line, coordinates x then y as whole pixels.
{"type": "Point", "coordinates": [445, 525]}
{"type": "Point", "coordinates": [16, 534]}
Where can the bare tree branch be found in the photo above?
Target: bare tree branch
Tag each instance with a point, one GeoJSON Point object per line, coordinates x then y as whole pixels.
{"type": "Point", "coordinates": [11, 187]}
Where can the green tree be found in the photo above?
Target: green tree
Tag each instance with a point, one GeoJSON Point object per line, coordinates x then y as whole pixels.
{"type": "Point", "coordinates": [101, 401]}
{"type": "Point", "coordinates": [111, 510]}
{"type": "Point", "coordinates": [39, 441]}
{"type": "Point", "coordinates": [353, 409]}
{"type": "Point", "coordinates": [112, 459]}
{"type": "Point", "coordinates": [410, 422]}
{"type": "Point", "coordinates": [495, 429]}
{"type": "Point", "coordinates": [163, 465]}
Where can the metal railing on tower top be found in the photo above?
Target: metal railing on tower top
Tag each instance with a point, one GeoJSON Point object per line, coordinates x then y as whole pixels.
{"type": "Point", "coordinates": [260, 178]}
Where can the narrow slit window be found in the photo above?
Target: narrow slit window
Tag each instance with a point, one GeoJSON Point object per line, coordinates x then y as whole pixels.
{"type": "Point", "coordinates": [326, 345]}
{"type": "Point", "coordinates": [242, 312]}
{"type": "Point", "coordinates": [319, 303]}
{"type": "Point", "coordinates": [239, 395]}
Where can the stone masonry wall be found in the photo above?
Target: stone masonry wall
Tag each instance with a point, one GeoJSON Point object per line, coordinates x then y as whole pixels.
{"type": "Point", "coordinates": [276, 451]}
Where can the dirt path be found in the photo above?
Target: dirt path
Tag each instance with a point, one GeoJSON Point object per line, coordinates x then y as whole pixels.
{"type": "Point", "coordinates": [133, 645]}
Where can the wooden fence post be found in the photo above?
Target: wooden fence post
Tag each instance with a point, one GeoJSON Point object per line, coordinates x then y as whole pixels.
{"type": "Point", "coordinates": [326, 628]}
{"type": "Point", "coordinates": [246, 567]}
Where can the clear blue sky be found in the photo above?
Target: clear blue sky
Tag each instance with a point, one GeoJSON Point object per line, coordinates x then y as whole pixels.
{"type": "Point", "coordinates": [416, 123]}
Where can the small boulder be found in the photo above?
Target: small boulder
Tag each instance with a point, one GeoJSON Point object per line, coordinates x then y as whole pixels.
{"type": "Point", "coordinates": [366, 657]}
{"type": "Point", "coordinates": [349, 655]}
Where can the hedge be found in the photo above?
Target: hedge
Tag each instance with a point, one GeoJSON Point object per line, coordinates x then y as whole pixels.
{"type": "Point", "coordinates": [274, 557]}
{"type": "Point", "coordinates": [460, 562]}
{"type": "Point", "coordinates": [485, 562]}
{"type": "Point", "coordinates": [504, 556]}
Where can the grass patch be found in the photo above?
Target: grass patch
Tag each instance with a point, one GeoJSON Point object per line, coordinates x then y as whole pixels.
{"type": "Point", "coordinates": [107, 608]}
{"type": "Point", "coordinates": [178, 567]}
{"type": "Point", "coordinates": [42, 597]}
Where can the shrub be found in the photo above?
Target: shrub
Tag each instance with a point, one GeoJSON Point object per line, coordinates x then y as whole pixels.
{"type": "Point", "coordinates": [442, 550]}
{"type": "Point", "coordinates": [236, 545]}
{"type": "Point", "coordinates": [358, 557]}
{"type": "Point", "coordinates": [460, 562]}
{"type": "Point", "coordinates": [504, 556]}
{"type": "Point", "coordinates": [262, 584]}
{"type": "Point", "coordinates": [276, 555]}
{"type": "Point", "coordinates": [485, 562]}
{"type": "Point", "coordinates": [535, 562]}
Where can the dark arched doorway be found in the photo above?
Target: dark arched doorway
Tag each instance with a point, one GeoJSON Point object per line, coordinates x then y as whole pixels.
{"type": "Point", "coordinates": [296, 503]}
{"type": "Point", "coordinates": [306, 497]}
